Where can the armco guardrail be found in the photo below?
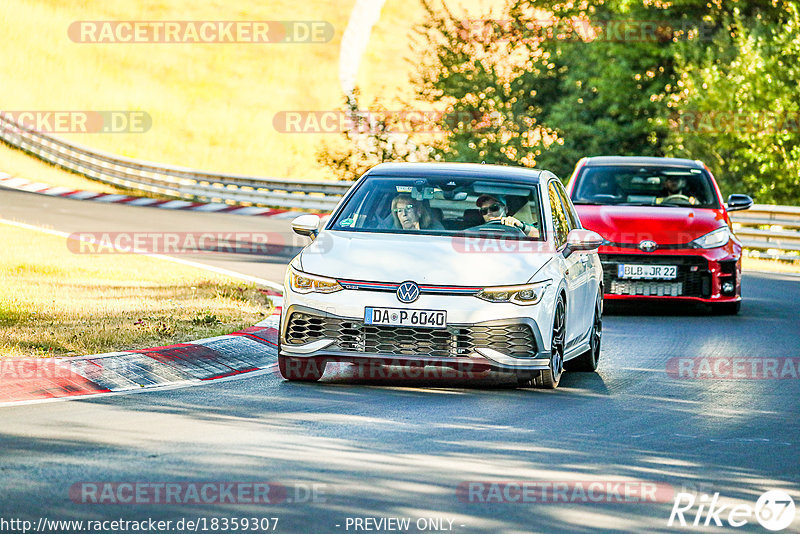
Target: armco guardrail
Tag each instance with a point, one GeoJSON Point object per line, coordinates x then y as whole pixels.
{"type": "Point", "coordinates": [770, 231]}
{"type": "Point", "coordinates": [173, 181]}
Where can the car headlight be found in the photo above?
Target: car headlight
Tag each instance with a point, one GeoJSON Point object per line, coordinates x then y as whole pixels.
{"type": "Point", "coordinates": [714, 239]}
{"type": "Point", "coordinates": [309, 283]}
{"type": "Point", "coordinates": [524, 295]}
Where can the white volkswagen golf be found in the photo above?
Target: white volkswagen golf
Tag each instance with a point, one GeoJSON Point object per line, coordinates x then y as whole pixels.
{"type": "Point", "coordinates": [464, 266]}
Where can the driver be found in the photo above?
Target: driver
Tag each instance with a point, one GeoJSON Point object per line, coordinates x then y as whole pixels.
{"type": "Point", "coordinates": [674, 186]}
{"type": "Point", "coordinates": [494, 208]}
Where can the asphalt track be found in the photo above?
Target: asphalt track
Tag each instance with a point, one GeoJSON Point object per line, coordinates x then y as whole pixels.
{"type": "Point", "coordinates": [97, 218]}
{"type": "Point", "coordinates": [383, 448]}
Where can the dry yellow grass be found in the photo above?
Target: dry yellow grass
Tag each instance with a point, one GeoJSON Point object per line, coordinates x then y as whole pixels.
{"type": "Point", "coordinates": [55, 303]}
{"type": "Point", "coordinates": [390, 59]}
{"type": "Point", "coordinates": [212, 105]}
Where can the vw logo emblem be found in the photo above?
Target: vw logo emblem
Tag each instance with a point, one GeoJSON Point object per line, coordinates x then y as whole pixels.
{"type": "Point", "coordinates": [408, 292]}
{"type": "Point", "coordinates": [648, 246]}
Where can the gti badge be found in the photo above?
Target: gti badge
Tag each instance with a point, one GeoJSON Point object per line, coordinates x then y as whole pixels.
{"type": "Point", "coordinates": [648, 246]}
{"type": "Point", "coordinates": [408, 292]}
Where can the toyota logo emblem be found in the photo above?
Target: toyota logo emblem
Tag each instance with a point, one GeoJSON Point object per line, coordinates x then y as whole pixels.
{"type": "Point", "coordinates": [408, 292]}
{"type": "Point", "coordinates": [648, 246]}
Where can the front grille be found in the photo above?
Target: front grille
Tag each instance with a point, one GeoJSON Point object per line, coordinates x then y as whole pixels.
{"type": "Point", "coordinates": [647, 288]}
{"type": "Point", "coordinates": [354, 336]}
{"type": "Point", "coordinates": [693, 280]}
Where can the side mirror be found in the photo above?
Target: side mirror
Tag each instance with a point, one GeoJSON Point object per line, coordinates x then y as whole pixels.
{"type": "Point", "coordinates": [739, 202]}
{"type": "Point", "coordinates": [307, 225]}
{"type": "Point", "coordinates": [580, 239]}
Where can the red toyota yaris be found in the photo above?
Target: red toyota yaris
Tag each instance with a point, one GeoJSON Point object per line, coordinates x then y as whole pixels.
{"type": "Point", "coordinates": [667, 231]}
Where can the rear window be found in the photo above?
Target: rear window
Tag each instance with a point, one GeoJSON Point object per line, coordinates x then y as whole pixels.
{"type": "Point", "coordinates": [644, 186]}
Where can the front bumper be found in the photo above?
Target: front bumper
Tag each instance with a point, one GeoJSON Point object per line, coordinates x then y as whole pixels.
{"type": "Point", "coordinates": [510, 344]}
{"type": "Point", "coordinates": [704, 275]}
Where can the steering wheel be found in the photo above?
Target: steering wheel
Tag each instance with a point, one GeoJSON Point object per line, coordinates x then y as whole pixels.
{"type": "Point", "coordinates": [496, 224]}
{"type": "Point", "coordinates": [678, 199]}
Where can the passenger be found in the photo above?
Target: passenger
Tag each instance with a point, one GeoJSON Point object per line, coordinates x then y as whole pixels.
{"type": "Point", "coordinates": [494, 208]}
{"type": "Point", "coordinates": [410, 214]}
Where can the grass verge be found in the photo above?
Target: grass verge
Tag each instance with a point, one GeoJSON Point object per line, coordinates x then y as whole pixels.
{"type": "Point", "coordinates": [56, 303]}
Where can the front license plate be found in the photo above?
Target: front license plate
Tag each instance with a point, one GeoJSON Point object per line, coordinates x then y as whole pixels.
{"type": "Point", "coordinates": [405, 317]}
{"type": "Point", "coordinates": [652, 272]}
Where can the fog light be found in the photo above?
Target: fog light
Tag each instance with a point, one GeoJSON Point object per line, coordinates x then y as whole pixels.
{"type": "Point", "coordinates": [727, 287]}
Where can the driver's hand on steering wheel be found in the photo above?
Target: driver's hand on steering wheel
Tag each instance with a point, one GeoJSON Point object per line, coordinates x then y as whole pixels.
{"type": "Point", "coordinates": [511, 221]}
{"type": "Point", "coordinates": [527, 229]}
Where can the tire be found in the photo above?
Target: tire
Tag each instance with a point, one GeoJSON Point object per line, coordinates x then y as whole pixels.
{"type": "Point", "coordinates": [726, 308]}
{"type": "Point", "coordinates": [587, 362]}
{"type": "Point", "coordinates": [301, 369]}
{"type": "Point", "coordinates": [550, 378]}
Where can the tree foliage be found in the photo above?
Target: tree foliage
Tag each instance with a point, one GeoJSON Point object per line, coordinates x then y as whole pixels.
{"type": "Point", "coordinates": [551, 81]}
{"type": "Point", "coordinates": [373, 137]}
{"type": "Point", "coordinates": [742, 117]}
{"type": "Point", "coordinates": [587, 78]}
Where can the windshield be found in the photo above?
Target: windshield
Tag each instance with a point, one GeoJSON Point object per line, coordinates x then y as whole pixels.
{"type": "Point", "coordinates": [441, 206]}
{"type": "Point", "coordinates": [644, 186]}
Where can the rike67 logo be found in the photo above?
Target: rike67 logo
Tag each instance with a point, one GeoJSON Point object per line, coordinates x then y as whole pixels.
{"type": "Point", "coordinates": [774, 511]}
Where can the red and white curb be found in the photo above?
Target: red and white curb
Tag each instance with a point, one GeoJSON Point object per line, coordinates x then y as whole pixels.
{"type": "Point", "coordinates": [253, 349]}
{"type": "Point", "coordinates": [32, 380]}
{"type": "Point", "coordinates": [22, 184]}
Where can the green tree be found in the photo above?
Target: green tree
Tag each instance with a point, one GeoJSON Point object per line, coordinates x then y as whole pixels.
{"type": "Point", "coordinates": [558, 93]}
{"type": "Point", "coordinates": [375, 137]}
{"type": "Point", "coordinates": [743, 117]}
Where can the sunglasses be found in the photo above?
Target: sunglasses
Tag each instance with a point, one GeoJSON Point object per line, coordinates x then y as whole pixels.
{"type": "Point", "coordinates": [494, 208]}
{"type": "Point", "coordinates": [407, 209]}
